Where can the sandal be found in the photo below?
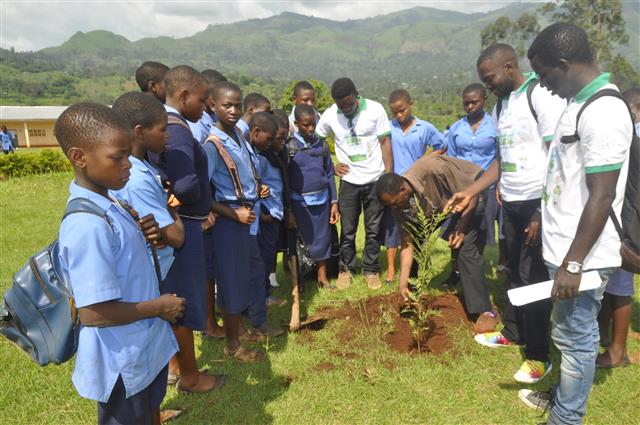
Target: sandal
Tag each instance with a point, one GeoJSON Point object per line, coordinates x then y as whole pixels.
{"type": "Point", "coordinates": [603, 361]}
{"type": "Point", "coordinates": [220, 381]}
{"type": "Point", "coordinates": [244, 354]}
{"type": "Point", "coordinates": [388, 282]}
{"type": "Point", "coordinates": [167, 415]}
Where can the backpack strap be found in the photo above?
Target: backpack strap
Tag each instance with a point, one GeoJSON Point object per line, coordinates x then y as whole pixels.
{"type": "Point", "coordinates": [173, 120]}
{"type": "Point", "coordinates": [84, 205]}
{"type": "Point", "coordinates": [230, 164]}
{"type": "Point", "coordinates": [154, 251]}
{"type": "Point", "coordinates": [532, 85]}
{"type": "Point", "coordinates": [597, 95]}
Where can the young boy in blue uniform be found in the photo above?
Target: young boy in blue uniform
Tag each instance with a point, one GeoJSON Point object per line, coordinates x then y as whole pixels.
{"type": "Point", "coordinates": [144, 191]}
{"type": "Point", "coordinates": [314, 199]}
{"type": "Point", "coordinates": [185, 165]}
{"type": "Point", "coordinates": [7, 140]}
{"type": "Point", "coordinates": [253, 103]}
{"type": "Point", "coordinates": [410, 139]}
{"type": "Point", "coordinates": [125, 339]}
{"type": "Point", "coordinates": [150, 79]}
{"type": "Point", "coordinates": [231, 234]}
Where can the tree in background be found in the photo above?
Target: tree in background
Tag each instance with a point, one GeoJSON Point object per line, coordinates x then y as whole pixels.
{"type": "Point", "coordinates": [603, 20]}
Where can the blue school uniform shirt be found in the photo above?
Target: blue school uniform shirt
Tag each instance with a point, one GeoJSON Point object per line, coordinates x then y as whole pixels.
{"type": "Point", "coordinates": [202, 128]}
{"type": "Point", "coordinates": [244, 128]}
{"type": "Point", "coordinates": [7, 143]}
{"type": "Point", "coordinates": [244, 156]}
{"type": "Point", "coordinates": [409, 147]}
{"type": "Point", "coordinates": [144, 192]}
{"type": "Point", "coordinates": [319, 197]}
{"type": "Point", "coordinates": [272, 177]}
{"type": "Point", "coordinates": [105, 262]}
{"type": "Point", "coordinates": [478, 147]}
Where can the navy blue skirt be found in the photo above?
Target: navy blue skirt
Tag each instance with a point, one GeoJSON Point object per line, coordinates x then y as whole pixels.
{"type": "Point", "coordinates": [390, 229]}
{"type": "Point", "coordinates": [186, 278]}
{"type": "Point", "coordinates": [313, 226]}
{"type": "Point", "coordinates": [209, 257]}
{"type": "Point", "coordinates": [232, 264]}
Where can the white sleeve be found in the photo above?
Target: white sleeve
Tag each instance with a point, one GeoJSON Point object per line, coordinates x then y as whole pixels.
{"type": "Point", "coordinates": [323, 129]}
{"type": "Point", "coordinates": [605, 135]}
{"type": "Point", "coordinates": [549, 108]}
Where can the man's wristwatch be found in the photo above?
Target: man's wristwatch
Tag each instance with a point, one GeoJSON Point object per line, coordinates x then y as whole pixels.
{"type": "Point", "coordinates": [572, 267]}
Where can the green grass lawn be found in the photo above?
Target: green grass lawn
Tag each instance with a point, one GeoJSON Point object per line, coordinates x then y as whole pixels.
{"type": "Point", "coordinates": [367, 382]}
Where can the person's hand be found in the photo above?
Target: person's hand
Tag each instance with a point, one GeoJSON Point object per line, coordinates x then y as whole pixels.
{"type": "Point", "coordinates": [209, 222]}
{"type": "Point", "coordinates": [151, 231]}
{"type": "Point", "coordinates": [266, 218]}
{"type": "Point", "coordinates": [498, 198]}
{"type": "Point", "coordinates": [341, 170]}
{"type": "Point", "coordinates": [290, 221]}
{"type": "Point", "coordinates": [264, 191]}
{"type": "Point", "coordinates": [173, 201]}
{"type": "Point", "coordinates": [334, 216]}
{"type": "Point", "coordinates": [565, 285]}
{"type": "Point", "coordinates": [171, 307]}
{"type": "Point", "coordinates": [458, 202]}
{"type": "Point", "coordinates": [245, 215]}
{"type": "Point", "coordinates": [532, 231]}
{"type": "Point", "coordinates": [456, 238]}
{"type": "Point", "coordinates": [404, 292]}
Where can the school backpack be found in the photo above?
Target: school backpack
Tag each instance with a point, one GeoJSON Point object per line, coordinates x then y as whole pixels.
{"type": "Point", "coordinates": [39, 313]}
{"type": "Point", "coordinates": [532, 85]}
{"type": "Point", "coordinates": [629, 227]}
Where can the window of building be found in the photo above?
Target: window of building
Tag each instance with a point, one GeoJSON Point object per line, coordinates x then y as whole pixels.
{"type": "Point", "coordinates": [37, 132]}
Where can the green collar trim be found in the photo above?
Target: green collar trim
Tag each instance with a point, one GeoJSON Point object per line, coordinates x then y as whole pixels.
{"type": "Point", "coordinates": [362, 107]}
{"type": "Point", "coordinates": [593, 86]}
{"type": "Point", "coordinates": [530, 77]}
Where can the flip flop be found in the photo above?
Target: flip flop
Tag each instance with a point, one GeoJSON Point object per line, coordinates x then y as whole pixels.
{"type": "Point", "coordinates": [244, 354]}
{"type": "Point", "coordinates": [167, 415]}
{"type": "Point", "coordinates": [221, 380]}
{"type": "Point", "coordinates": [603, 361]}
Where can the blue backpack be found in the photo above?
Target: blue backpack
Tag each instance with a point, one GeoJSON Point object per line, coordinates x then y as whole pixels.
{"type": "Point", "coordinates": [39, 313]}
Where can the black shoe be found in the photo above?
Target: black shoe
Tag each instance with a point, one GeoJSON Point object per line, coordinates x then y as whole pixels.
{"type": "Point", "coordinates": [536, 399]}
{"type": "Point", "coordinates": [452, 281]}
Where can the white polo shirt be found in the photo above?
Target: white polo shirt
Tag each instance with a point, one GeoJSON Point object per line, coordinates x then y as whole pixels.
{"type": "Point", "coordinates": [605, 130]}
{"type": "Point", "coordinates": [522, 140]}
{"type": "Point", "coordinates": [357, 139]}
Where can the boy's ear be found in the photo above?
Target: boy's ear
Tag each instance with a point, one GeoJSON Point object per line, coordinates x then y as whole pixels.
{"type": "Point", "coordinates": [77, 157]}
{"type": "Point", "coordinates": [183, 95]}
{"type": "Point", "coordinates": [138, 131]}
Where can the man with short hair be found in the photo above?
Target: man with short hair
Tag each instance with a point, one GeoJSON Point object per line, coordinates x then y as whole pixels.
{"type": "Point", "coordinates": [584, 181]}
{"type": "Point", "coordinates": [361, 132]}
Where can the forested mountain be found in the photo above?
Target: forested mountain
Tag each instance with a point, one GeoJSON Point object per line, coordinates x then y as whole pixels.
{"type": "Point", "coordinates": [424, 48]}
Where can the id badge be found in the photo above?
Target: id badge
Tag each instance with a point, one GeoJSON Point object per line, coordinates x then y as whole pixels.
{"type": "Point", "coordinates": [356, 150]}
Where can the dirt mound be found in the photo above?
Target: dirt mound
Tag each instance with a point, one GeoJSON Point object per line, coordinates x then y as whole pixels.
{"type": "Point", "coordinates": [382, 315]}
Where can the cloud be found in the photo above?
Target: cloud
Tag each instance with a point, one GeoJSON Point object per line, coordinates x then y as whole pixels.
{"type": "Point", "coordinates": [32, 25]}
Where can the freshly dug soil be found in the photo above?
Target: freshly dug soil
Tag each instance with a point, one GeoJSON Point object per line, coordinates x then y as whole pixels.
{"type": "Point", "coordinates": [385, 311]}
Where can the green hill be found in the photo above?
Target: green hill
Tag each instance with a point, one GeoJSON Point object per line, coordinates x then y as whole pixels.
{"type": "Point", "coordinates": [421, 48]}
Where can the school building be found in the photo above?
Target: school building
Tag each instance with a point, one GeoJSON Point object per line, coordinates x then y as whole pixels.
{"type": "Point", "coordinates": [31, 126]}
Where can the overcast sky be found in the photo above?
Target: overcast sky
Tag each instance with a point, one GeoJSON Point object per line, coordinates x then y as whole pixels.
{"type": "Point", "coordinates": [32, 25]}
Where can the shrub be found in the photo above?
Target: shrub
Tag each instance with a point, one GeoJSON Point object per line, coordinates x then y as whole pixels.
{"type": "Point", "coordinates": [39, 162]}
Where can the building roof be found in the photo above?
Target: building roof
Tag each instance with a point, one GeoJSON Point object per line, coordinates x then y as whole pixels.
{"type": "Point", "coordinates": [30, 113]}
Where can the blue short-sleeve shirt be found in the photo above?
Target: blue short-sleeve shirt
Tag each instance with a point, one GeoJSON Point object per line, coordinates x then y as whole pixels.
{"type": "Point", "coordinates": [478, 147]}
{"type": "Point", "coordinates": [244, 128]}
{"type": "Point", "coordinates": [409, 147]}
{"type": "Point", "coordinates": [144, 192]}
{"type": "Point", "coordinates": [7, 143]}
{"type": "Point", "coordinates": [245, 160]}
{"type": "Point", "coordinates": [202, 128]}
{"type": "Point", "coordinates": [272, 177]}
{"type": "Point", "coordinates": [107, 262]}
